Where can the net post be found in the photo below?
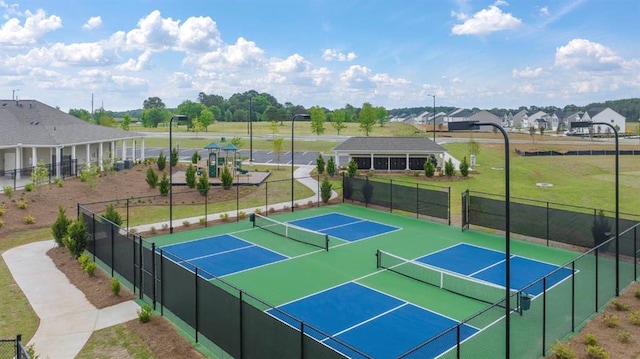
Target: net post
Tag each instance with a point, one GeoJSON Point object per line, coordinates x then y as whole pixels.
{"type": "Point", "coordinates": [326, 242]}
{"type": "Point", "coordinates": [378, 259]}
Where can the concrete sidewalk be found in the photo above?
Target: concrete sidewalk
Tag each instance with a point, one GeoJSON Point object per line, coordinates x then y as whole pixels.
{"type": "Point", "coordinates": [67, 319]}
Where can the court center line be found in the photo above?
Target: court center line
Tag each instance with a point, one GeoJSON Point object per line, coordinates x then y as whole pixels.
{"type": "Point", "coordinates": [368, 320]}
{"type": "Point", "coordinates": [487, 267]}
{"type": "Point", "coordinates": [218, 253]}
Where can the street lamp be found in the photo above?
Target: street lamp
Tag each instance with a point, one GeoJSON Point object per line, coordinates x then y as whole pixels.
{"type": "Point", "coordinates": [583, 124]}
{"type": "Point", "coordinates": [293, 123]}
{"type": "Point", "coordinates": [250, 132]}
{"type": "Point", "coordinates": [434, 116]}
{"type": "Point", "coordinates": [474, 125]}
{"type": "Point", "coordinates": [13, 93]}
{"type": "Point", "coordinates": [177, 117]}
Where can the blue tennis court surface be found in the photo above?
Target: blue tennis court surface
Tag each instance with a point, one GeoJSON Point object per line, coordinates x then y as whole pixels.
{"type": "Point", "coordinates": [379, 325]}
{"type": "Point", "coordinates": [489, 266]}
{"type": "Point", "coordinates": [220, 255]}
{"type": "Point", "coordinates": [344, 227]}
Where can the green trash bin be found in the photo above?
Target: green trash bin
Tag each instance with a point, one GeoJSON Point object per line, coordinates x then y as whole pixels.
{"type": "Point", "coordinates": [525, 302]}
{"type": "Point", "coordinates": [252, 217]}
{"type": "Point", "coordinates": [223, 139]}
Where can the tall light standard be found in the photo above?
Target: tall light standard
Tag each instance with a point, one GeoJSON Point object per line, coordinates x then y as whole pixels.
{"type": "Point", "coordinates": [177, 117]}
{"type": "Point", "coordinates": [250, 131]}
{"type": "Point", "coordinates": [293, 126]}
{"type": "Point", "coordinates": [473, 125]}
{"type": "Point", "coordinates": [583, 124]}
{"type": "Point", "coordinates": [13, 93]}
{"type": "Point", "coordinates": [434, 116]}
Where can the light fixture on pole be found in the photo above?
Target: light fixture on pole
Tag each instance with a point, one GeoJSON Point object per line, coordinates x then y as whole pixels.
{"type": "Point", "coordinates": [293, 123]}
{"type": "Point", "coordinates": [177, 117]}
{"type": "Point", "coordinates": [250, 131]}
{"type": "Point", "coordinates": [473, 125]}
{"type": "Point", "coordinates": [13, 93]}
{"type": "Point", "coordinates": [434, 116]}
{"type": "Point", "coordinates": [583, 124]}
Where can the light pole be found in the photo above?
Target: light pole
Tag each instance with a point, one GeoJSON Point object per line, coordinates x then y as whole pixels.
{"type": "Point", "coordinates": [293, 126]}
{"type": "Point", "coordinates": [473, 125]}
{"type": "Point", "coordinates": [178, 117]}
{"type": "Point", "coordinates": [434, 116]}
{"type": "Point", "coordinates": [250, 132]}
{"type": "Point", "coordinates": [13, 93]}
{"type": "Point", "coordinates": [582, 124]}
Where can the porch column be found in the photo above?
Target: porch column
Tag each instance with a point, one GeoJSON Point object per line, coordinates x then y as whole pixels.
{"type": "Point", "coordinates": [100, 156]}
{"type": "Point", "coordinates": [87, 157]}
{"type": "Point", "coordinates": [73, 153]}
{"type": "Point", "coordinates": [407, 163]}
{"type": "Point", "coordinates": [133, 150]}
{"type": "Point", "coordinates": [124, 150]}
{"type": "Point", "coordinates": [34, 157]}
{"type": "Point", "coordinates": [371, 161]}
{"type": "Point", "coordinates": [17, 166]}
{"type": "Point", "coordinates": [112, 150]}
{"type": "Point", "coordinates": [58, 152]}
{"type": "Point", "coordinates": [142, 150]}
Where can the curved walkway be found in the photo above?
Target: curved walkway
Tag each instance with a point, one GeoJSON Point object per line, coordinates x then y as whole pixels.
{"type": "Point", "coordinates": [67, 319]}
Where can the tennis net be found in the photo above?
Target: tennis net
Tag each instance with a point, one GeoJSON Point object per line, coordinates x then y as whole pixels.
{"type": "Point", "coordinates": [292, 232]}
{"type": "Point", "coordinates": [457, 283]}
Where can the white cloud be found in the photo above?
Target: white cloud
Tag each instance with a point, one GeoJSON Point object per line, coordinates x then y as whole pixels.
{"type": "Point", "coordinates": [153, 32]}
{"type": "Point", "coordinates": [242, 53]}
{"type": "Point", "coordinates": [136, 65]}
{"type": "Point", "coordinates": [527, 72]}
{"type": "Point", "coordinates": [487, 21]}
{"type": "Point", "coordinates": [35, 26]}
{"type": "Point", "coordinates": [94, 22]}
{"type": "Point", "coordinates": [334, 55]}
{"type": "Point", "coordinates": [544, 11]}
{"type": "Point", "coordinates": [198, 34]}
{"type": "Point", "coordinates": [581, 54]}
{"type": "Point", "coordinates": [294, 63]}
{"type": "Point", "coordinates": [357, 77]}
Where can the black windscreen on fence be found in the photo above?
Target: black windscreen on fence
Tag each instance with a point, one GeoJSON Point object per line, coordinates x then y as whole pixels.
{"type": "Point", "coordinates": [123, 255]}
{"type": "Point", "coordinates": [264, 336]}
{"type": "Point", "coordinates": [179, 295]}
{"type": "Point", "coordinates": [219, 315]}
{"type": "Point", "coordinates": [148, 270]}
{"type": "Point", "coordinates": [103, 240]}
{"type": "Point", "coordinates": [401, 196]}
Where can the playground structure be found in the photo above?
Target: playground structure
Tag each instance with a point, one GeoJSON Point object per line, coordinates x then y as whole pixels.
{"type": "Point", "coordinates": [218, 157]}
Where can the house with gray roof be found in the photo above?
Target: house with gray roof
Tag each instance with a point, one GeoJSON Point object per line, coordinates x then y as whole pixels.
{"type": "Point", "coordinates": [34, 132]}
{"type": "Point", "coordinates": [389, 153]}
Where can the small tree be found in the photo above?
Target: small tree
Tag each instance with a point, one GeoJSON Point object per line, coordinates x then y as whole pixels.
{"type": "Point", "coordinates": [162, 161]}
{"type": "Point", "coordinates": [89, 174]}
{"type": "Point", "coordinates": [164, 185]}
{"type": "Point", "coordinates": [226, 178]}
{"type": "Point", "coordinates": [352, 169]}
{"type": "Point", "coordinates": [39, 175]}
{"type": "Point", "coordinates": [112, 215]}
{"type": "Point", "coordinates": [429, 168]}
{"type": "Point", "coordinates": [190, 176]}
{"type": "Point", "coordinates": [331, 166]}
{"type": "Point", "coordinates": [152, 178]}
{"type": "Point", "coordinates": [464, 167]}
{"type": "Point", "coordinates": [60, 226]}
{"type": "Point", "coordinates": [277, 147]}
{"type": "Point", "coordinates": [77, 237]}
{"type": "Point", "coordinates": [320, 164]}
{"type": "Point", "coordinates": [449, 169]}
{"type": "Point", "coordinates": [541, 129]}
{"type": "Point", "coordinates": [195, 157]}
{"type": "Point", "coordinates": [532, 132]}
{"type": "Point", "coordinates": [174, 157]}
{"type": "Point", "coordinates": [203, 184]}
{"type": "Point", "coordinates": [325, 190]}
{"type": "Point", "coordinates": [474, 147]}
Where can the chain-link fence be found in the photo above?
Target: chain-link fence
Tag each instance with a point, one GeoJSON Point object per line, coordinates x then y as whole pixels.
{"type": "Point", "coordinates": [13, 349]}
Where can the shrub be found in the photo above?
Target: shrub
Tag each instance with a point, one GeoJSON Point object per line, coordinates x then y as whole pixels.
{"type": "Point", "coordinates": [203, 184]}
{"type": "Point", "coordinates": [3, 210]}
{"type": "Point", "coordinates": [331, 167]}
{"type": "Point", "coordinates": [77, 238]}
{"type": "Point", "coordinates": [195, 157]}
{"type": "Point", "coordinates": [58, 181]}
{"type": "Point", "coordinates": [224, 217]}
{"type": "Point", "coordinates": [112, 215]}
{"type": "Point", "coordinates": [28, 219]}
{"type": "Point", "coordinates": [174, 157]}
{"type": "Point", "coordinates": [464, 167]}
{"type": "Point", "coordinates": [29, 187]}
{"type": "Point", "coordinates": [634, 317]}
{"type": "Point", "coordinates": [164, 185]}
{"type": "Point", "coordinates": [595, 351]}
{"type": "Point", "coordinates": [590, 339]}
{"type": "Point", "coordinates": [186, 223]}
{"type": "Point", "coordinates": [610, 320]}
{"type": "Point", "coordinates": [429, 168]}
{"type": "Point", "coordinates": [449, 169]}
{"type": "Point", "coordinates": [416, 174]}
{"type": "Point", "coordinates": [352, 169]}
{"type": "Point", "coordinates": [619, 306]}
{"type": "Point", "coordinates": [89, 174]}
{"type": "Point", "coordinates": [84, 259]}
{"type": "Point", "coordinates": [115, 286]}
{"type": "Point", "coordinates": [162, 161]}
{"type": "Point", "coordinates": [272, 210]}
{"type": "Point", "coordinates": [22, 205]}
{"type": "Point", "coordinates": [637, 293]}
{"type": "Point", "coordinates": [165, 226]}
{"type": "Point", "coordinates": [202, 221]}
{"type": "Point", "coordinates": [8, 190]}
{"type": "Point", "coordinates": [562, 351]}
{"type": "Point", "coordinates": [242, 215]}
{"type": "Point", "coordinates": [226, 177]}
{"type": "Point", "coordinates": [153, 230]}
{"type": "Point", "coordinates": [1, 223]}
{"type": "Point", "coordinates": [152, 178]}
{"type": "Point", "coordinates": [320, 164]}
{"type": "Point", "coordinates": [190, 176]}
{"type": "Point", "coordinates": [258, 210]}
{"type": "Point", "coordinates": [90, 268]}
{"type": "Point", "coordinates": [144, 313]}
{"type": "Point", "coordinates": [325, 190]}
{"type": "Point", "coordinates": [624, 336]}
{"type": "Point", "coordinates": [60, 226]}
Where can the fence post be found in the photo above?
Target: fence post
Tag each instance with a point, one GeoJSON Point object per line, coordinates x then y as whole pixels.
{"type": "Point", "coordinates": [154, 278]}
{"type": "Point", "coordinates": [266, 199]}
{"type": "Point", "coordinates": [390, 196]}
{"type": "Point", "coordinates": [197, 328]}
{"type": "Point", "coordinates": [127, 214]}
{"type": "Point", "coordinates": [573, 296]}
{"type": "Point", "coordinates": [18, 344]}
{"type": "Point", "coordinates": [547, 224]}
{"type": "Point", "coordinates": [241, 300]}
{"type": "Point", "coordinates": [111, 226]}
{"type": "Point", "coordinates": [417, 201]}
{"type": "Point", "coordinates": [206, 211]}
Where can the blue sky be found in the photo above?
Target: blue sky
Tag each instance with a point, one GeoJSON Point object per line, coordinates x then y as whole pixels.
{"type": "Point", "coordinates": [392, 53]}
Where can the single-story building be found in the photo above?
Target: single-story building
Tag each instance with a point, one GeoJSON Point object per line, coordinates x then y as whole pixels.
{"type": "Point", "coordinates": [389, 153]}
{"type": "Point", "coordinates": [33, 132]}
